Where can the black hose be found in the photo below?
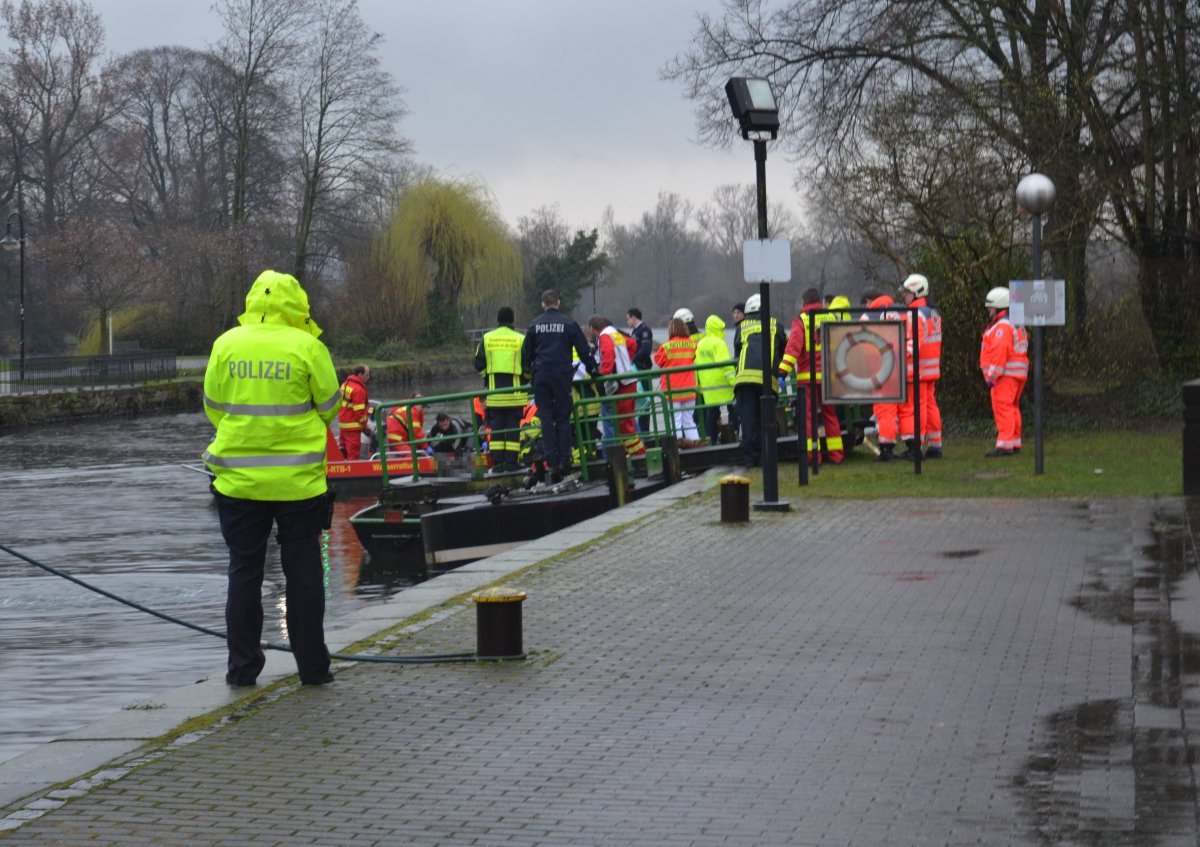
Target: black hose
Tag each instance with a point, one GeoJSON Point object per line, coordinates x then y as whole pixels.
{"type": "Point", "coordinates": [428, 659]}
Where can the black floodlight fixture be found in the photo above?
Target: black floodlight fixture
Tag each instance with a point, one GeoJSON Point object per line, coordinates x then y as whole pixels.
{"type": "Point", "coordinates": [753, 105]}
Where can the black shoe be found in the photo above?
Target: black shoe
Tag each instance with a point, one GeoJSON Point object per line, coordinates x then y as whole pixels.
{"type": "Point", "coordinates": [886, 453]}
{"type": "Point", "coordinates": [1016, 450]}
{"type": "Point", "coordinates": [325, 680]}
{"type": "Point", "coordinates": [234, 682]}
{"type": "Point", "coordinates": [557, 475]}
{"type": "Point", "coordinates": [933, 453]}
{"type": "Point", "coordinates": [997, 454]}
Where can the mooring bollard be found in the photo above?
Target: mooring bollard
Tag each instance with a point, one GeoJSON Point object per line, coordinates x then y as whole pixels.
{"type": "Point", "coordinates": [498, 623]}
{"type": "Point", "coordinates": [735, 499]}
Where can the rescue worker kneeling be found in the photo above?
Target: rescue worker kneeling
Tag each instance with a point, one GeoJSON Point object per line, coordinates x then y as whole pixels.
{"type": "Point", "coordinates": [404, 427]}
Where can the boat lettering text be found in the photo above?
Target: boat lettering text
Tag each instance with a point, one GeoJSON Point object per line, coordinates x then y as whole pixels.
{"type": "Point", "coordinates": [245, 369]}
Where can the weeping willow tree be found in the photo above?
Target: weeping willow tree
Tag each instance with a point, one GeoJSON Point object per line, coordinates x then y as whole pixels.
{"type": "Point", "coordinates": [446, 249]}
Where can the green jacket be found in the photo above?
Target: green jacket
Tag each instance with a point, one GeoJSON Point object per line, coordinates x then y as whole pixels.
{"type": "Point", "coordinates": [270, 390]}
{"type": "Point", "coordinates": [716, 384]}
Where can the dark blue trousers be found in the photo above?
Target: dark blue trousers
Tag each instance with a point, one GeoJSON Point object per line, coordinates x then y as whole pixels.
{"type": "Point", "coordinates": [246, 526]}
{"type": "Point", "coordinates": [748, 400]}
{"type": "Point", "coordinates": [552, 393]}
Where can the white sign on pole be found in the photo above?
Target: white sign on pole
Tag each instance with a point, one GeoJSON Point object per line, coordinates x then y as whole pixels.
{"type": "Point", "coordinates": [767, 260]}
{"type": "Point", "coordinates": [1037, 302]}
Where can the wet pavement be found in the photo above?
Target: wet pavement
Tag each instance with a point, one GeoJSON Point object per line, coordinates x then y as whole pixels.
{"type": "Point", "coordinates": [896, 672]}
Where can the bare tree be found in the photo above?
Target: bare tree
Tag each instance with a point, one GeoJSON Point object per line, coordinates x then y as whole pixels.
{"type": "Point", "coordinates": [157, 153]}
{"type": "Point", "coordinates": [105, 265]}
{"type": "Point", "coordinates": [52, 95]}
{"type": "Point", "coordinates": [654, 258]}
{"type": "Point", "coordinates": [349, 111]}
{"type": "Point", "coordinates": [541, 234]}
{"type": "Point", "coordinates": [1015, 68]}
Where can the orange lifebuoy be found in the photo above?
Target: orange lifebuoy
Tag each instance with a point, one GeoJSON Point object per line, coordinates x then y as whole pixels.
{"type": "Point", "coordinates": [862, 383]}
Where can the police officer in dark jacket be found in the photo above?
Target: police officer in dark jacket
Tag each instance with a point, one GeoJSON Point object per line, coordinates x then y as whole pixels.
{"type": "Point", "coordinates": [546, 354]}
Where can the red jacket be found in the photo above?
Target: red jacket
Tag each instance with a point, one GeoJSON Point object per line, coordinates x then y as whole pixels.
{"type": "Point", "coordinates": [398, 432]}
{"type": "Point", "coordinates": [796, 353]}
{"type": "Point", "coordinates": [353, 413]}
{"type": "Point", "coordinates": [616, 353]}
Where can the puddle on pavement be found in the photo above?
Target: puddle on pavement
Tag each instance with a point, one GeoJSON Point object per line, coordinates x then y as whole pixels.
{"type": "Point", "coordinates": [1146, 770]}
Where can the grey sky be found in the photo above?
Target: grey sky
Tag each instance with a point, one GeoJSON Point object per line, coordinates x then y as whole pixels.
{"type": "Point", "coordinates": [547, 101]}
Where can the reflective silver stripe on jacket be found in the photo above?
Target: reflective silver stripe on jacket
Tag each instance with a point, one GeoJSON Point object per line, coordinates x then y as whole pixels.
{"type": "Point", "coordinates": [331, 402]}
{"type": "Point", "coordinates": [263, 461]}
{"type": "Point", "coordinates": [258, 410]}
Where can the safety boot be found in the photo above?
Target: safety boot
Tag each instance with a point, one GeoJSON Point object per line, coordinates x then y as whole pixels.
{"type": "Point", "coordinates": [911, 450]}
{"type": "Point", "coordinates": [887, 452]}
{"type": "Point", "coordinates": [933, 453]}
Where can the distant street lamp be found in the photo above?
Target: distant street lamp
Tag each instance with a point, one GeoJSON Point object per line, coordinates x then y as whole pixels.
{"type": "Point", "coordinates": [757, 113]}
{"type": "Point", "coordinates": [1036, 195]}
{"type": "Point", "coordinates": [10, 243]}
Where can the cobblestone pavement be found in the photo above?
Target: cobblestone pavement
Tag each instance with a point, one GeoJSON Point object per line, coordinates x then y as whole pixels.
{"type": "Point", "coordinates": [886, 673]}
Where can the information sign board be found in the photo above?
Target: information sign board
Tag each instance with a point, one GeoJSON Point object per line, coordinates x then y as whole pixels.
{"type": "Point", "coordinates": [1037, 302]}
{"type": "Point", "coordinates": [767, 260]}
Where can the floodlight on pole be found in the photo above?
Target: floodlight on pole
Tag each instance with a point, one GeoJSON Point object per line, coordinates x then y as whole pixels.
{"type": "Point", "coordinates": [753, 104]}
{"type": "Point", "coordinates": [757, 113]}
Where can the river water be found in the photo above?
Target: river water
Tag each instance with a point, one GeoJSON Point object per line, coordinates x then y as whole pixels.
{"type": "Point", "coordinates": [108, 502]}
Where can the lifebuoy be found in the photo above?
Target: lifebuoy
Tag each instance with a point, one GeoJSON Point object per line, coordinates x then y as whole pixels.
{"type": "Point", "coordinates": [862, 383]}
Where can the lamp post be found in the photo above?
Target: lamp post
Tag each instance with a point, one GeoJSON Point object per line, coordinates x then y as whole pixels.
{"type": "Point", "coordinates": [10, 243]}
{"type": "Point", "coordinates": [753, 105]}
{"type": "Point", "coordinates": [1036, 195]}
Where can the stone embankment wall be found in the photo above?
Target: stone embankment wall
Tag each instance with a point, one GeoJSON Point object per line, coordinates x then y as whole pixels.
{"type": "Point", "coordinates": [184, 395]}
{"type": "Point", "coordinates": [29, 410]}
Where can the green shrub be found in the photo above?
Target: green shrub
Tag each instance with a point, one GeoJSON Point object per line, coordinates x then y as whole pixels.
{"type": "Point", "coordinates": [394, 350]}
{"type": "Point", "coordinates": [352, 347]}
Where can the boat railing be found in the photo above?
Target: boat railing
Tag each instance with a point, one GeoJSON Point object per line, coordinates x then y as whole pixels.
{"type": "Point", "coordinates": [591, 410]}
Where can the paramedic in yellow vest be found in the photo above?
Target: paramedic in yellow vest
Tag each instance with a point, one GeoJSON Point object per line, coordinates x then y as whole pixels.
{"type": "Point", "coordinates": [354, 416]}
{"type": "Point", "coordinates": [271, 391]}
{"type": "Point", "coordinates": [803, 355]}
{"type": "Point", "coordinates": [748, 376]}
{"type": "Point", "coordinates": [498, 359]}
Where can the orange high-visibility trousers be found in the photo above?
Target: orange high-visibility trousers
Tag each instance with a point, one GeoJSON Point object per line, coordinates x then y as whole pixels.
{"type": "Point", "coordinates": [931, 416]}
{"type": "Point", "coordinates": [1006, 409]}
{"type": "Point", "coordinates": [887, 421]}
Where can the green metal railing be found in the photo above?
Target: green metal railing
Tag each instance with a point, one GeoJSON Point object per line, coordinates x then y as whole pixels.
{"type": "Point", "coordinates": [587, 415]}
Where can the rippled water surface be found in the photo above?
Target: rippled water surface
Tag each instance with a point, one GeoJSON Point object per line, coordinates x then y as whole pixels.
{"type": "Point", "coordinates": [109, 502]}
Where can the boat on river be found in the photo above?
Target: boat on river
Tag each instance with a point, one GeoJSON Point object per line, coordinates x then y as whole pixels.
{"type": "Point", "coordinates": [362, 475]}
{"type": "Point", "coordinates": [454, 530]}
{"type": "Point", "coordinates": [458, 518]}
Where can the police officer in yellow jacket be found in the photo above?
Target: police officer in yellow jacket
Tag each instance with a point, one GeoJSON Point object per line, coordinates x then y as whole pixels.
{"type": "Point", "coordinates": [270, 390]}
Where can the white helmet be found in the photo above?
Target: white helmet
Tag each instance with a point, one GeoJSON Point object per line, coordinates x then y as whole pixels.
{"type": "Point", "coordinates": [753, 303]}
{"type": "Point", "coordinates": [917, 285]}
{"type": "Point", "coordinates": [997, 298]}
{"type": "Point", "coordinates": [685, 315]}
